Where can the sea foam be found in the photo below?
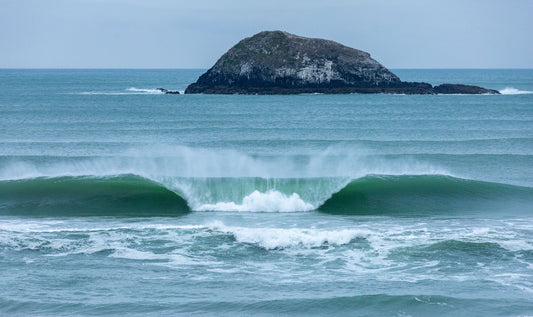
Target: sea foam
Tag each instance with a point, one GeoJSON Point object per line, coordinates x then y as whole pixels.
{"type": "Point", "coordinates": [514, 91]}
{"type": "Point", "coordinates": [128, 91]}
{"type": "Point", "coordinates": [145, 90]}
{"type": "Point", "coordinates": [281, 238]}
{"type": "Point", "coordinates": [271, 201]}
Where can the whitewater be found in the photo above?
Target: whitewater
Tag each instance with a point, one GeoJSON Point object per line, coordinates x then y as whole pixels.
{"type": "Point", "coordinates": [116, 199]}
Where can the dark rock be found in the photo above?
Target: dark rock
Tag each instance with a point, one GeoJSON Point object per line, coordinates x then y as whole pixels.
{"type": "Point", "coordinates": [168, 92]}
{"type": "Point", "coordinates": [463, 89]}
{"type": "Point", "coordinates": [276, 62]}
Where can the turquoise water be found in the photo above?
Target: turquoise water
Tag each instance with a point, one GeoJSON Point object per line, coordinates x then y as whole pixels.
{"type": "Point", "coordinates": [118, 200]}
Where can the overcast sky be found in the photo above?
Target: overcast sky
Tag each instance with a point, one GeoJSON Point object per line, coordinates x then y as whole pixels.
{"type": "Point", "coordinates": [193, 34]}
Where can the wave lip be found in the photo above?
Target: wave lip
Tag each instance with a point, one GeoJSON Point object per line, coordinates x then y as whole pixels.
{"type": "Point", "coordinates": [514, 91]}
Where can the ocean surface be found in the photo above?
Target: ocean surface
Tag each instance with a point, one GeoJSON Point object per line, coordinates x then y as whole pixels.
{"type": "Point", "coordinates": [118, 200]}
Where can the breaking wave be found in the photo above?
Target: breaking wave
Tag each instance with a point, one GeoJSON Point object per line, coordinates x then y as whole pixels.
{"type": "Point", "coordinates": [128, 91]}
{"type": "Point", "coordinates": [131, 195]}
{"type": "Point", "coordinates": [514, 91]}
{"type": "Point", "coordinates": [162, 182]}
{"type": "Point", "coordinates": [144, 90]}
{"type": "Point", "coordinates": [282, 238]}
{"type": "Point", "coordinates": [270, 201]}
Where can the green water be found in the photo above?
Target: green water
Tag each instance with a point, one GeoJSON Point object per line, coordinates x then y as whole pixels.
{"type": "Point", "coordinates": [117, 200]}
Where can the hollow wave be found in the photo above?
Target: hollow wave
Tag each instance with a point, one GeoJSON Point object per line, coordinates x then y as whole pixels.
{"type": "Point", "coordinates": [170, 181]}
{"type": "Point", "coordinates": [132, 195]}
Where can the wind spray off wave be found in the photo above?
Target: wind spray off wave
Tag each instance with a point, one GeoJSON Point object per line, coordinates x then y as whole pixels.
{"type": "Point", "coordinates": [182, 179]}
{"type": "Point", "coordinates": [229, 180]}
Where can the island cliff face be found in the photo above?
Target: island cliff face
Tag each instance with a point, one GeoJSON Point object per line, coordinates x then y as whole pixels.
{"type": "Point", "coordinates": [276, 62]}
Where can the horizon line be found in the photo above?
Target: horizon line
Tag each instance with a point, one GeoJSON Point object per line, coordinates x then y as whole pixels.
{"type": "Point", "coordinates": [204, 68]}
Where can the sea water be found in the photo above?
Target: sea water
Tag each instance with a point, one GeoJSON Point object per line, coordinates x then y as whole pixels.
{"type": "Point", "coordinates": [116, 199]}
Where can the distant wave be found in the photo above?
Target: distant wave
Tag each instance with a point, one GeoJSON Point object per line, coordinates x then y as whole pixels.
{"type": "Point", "coordinates": [131, 195]}
{"type": "Point", "coordinates": [145, 91]}
{"type": "Point", "coordinates": [514, 91]}
{"type": "Point", "coordinates": [128, 91]}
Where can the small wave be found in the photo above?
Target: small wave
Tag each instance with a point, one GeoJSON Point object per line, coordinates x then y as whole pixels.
{"type": "Point", "coordinates": [104, 93]}
{"type": "Point", "coordinates": [271, 201]}
{"type": "Point", "coordinates": [514, 91]}
{"type": "Point", "coordinates": [467, 247]}
{"type": "Point", "coordinates": [367, 305]}
{"type": "Point", "coordinates": [145, 90]}
{"type": "Point", "coordinates": [281, 238]}
{"type": "Point", "coordinates": [132, 254]}
{"type": "Point", "coordinates": [128, 91]}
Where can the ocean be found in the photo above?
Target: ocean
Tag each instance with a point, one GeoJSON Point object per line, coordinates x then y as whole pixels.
{"type": "Point", "coordinates": [118, 200]}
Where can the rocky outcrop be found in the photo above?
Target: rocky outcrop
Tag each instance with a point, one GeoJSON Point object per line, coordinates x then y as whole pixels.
{"type": "Point", "coordinates": [276, 62]}
{"type": "Point", "coordinates": [168, 92]}
{"type": "Point", "coordinates": [463, 89]}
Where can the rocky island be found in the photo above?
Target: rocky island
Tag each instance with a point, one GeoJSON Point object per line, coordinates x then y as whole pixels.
{"type": "Point", "coordinates": [276, 62]}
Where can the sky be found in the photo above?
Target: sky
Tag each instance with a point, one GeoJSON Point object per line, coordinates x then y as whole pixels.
{"type": "Point", "coordinates": [194, 34]}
